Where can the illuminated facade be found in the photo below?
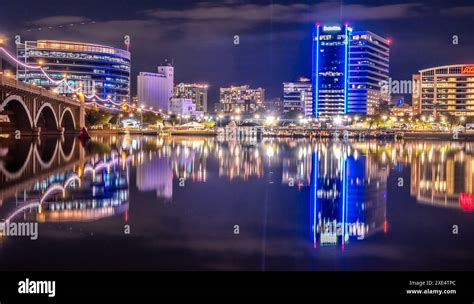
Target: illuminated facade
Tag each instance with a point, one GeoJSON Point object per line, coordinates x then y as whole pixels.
{"type": "Point", "coordinates": [183, 106]}
{"type": "Point", "coordinates": [330, 69]}
{"type": "Point", "coordinates": [241, 99]}
{"type": "Point", "coordinates": [156, 89]}
{"type": "Point", "coordinates": [444, 90]}
{"type": "Point", "coordinates": [369, 60]}
{"type": "Point", "coordinates": [298, 96]}
{"type": "Point", "coordinates": [94, 68]}
{"type": "Point", "coordinates": [349, 69]}
{"type": "Point", "coordinates": [196, 92]}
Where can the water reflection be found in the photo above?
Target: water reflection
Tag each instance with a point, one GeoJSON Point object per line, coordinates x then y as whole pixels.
{"type": "Point", "coordinates": [58, 180]}
{"type": "Point", "coordinates": [348, 194]}
{"type": "Point", "coordinates": [340, 187]}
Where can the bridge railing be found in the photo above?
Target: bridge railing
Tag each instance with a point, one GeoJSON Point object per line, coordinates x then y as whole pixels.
{"type": "Point", "coordinates": [6, 81]}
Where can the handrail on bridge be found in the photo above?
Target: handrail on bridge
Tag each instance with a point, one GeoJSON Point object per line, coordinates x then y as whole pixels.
{"type": "Point", "coordinates": [7, 81]}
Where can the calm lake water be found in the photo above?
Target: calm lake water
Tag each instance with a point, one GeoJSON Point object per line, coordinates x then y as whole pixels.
{"type": "Point", "coordinates": [190, 203]}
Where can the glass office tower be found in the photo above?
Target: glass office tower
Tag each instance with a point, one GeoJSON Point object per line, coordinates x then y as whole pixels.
{"type": "Point", "coordinates": [330, 69]}
{"type": "Point", "coordinates": [349, 70]}
{"type": "Point", "coordinates": [368, 72]}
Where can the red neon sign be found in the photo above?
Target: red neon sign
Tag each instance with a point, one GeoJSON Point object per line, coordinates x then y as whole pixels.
{"type": "Point", "coordinates": [466, 201]}
{"type": "Point", "coordinates": [468, 69]}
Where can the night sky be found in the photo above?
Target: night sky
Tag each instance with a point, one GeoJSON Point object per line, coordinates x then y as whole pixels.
{"type": "Point", "coordinates": [275, 36]}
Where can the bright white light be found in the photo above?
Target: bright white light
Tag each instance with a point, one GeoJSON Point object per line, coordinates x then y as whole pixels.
{"type": "Point", "coordinates": [337, 120]}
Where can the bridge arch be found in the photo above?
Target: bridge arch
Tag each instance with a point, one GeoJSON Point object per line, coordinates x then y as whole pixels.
{"type": "Point", "coordinates": [46, 154]}
{"type": "Point", "coordinates": [18, 173]}
{"type": "Point", "coordinates": [67, 148]}
{"type": "Point", "coordinates": [67, 120]}
{"type": "Point", "coordinates": [49, 119]}
{"type": "Point", "coordinates": [21, 117]}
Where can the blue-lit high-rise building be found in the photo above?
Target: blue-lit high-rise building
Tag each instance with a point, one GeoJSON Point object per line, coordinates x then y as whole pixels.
{"type": "Point", "coordinates": [368, 71]}
{"type": "Point", "coordinates": [349, 69]}
{"type": "Point", "coordinates": [330, 69]}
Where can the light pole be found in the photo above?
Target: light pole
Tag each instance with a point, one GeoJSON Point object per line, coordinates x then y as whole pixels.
{"type": "Point", "coordinates": [142, 107]}
{"type": "Point", "coordinates": [141, 118]}
{"type": "Point", "coordinates": [120, 119]}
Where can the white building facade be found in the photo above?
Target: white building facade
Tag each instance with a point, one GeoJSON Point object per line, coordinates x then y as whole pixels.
{"type": "Point", "coordinates": [183, 106]}
{"type": "Point", "coordinates": [156, 89]}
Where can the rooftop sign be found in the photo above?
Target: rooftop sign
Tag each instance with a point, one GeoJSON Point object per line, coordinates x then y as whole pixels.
{"type": "Point", "coordinates": [468, 69]}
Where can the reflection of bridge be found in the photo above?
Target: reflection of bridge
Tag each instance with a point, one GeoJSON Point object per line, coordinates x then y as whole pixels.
{"type": "Point", "coordinates": [33, 110]}
{"type": "Point", "coordinates": [24, 162]}
{"type": "Point", "coordinates": [56, 181]}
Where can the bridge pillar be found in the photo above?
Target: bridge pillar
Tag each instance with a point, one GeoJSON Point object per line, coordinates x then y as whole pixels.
{"type": "Point", "coordinates": [36, 131]}
{"type": "Point", "coordinates": [82, 112]}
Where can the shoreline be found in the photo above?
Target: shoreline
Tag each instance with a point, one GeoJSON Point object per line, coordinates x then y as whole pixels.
{"type": "Point", "coordinates": [362, 134]}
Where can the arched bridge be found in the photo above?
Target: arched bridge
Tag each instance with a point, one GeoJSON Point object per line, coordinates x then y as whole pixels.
{"type": "Point", "coordinates": [34, 111]}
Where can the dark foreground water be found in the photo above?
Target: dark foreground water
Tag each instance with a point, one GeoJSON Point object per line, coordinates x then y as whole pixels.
{"type": "Point", "coordinates": [147, 203]}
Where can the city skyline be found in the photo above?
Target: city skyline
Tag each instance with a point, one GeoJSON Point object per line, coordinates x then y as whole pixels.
{"type": "Point", "coordinates": [274, 41]}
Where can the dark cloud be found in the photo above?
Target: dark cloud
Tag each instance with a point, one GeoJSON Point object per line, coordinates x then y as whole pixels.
{"type": "Point", "coordinates": [297, 12]}
{"type": "Point", "coordinates": [59, 20]}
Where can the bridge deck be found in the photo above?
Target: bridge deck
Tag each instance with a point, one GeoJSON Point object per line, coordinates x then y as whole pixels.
{"type": "Point", "coordinates": [9, 82]}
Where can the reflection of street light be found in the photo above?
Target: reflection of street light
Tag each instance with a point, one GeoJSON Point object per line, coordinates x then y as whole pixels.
{"type": "Point", "coordinates": [141, 118]}
{"type": "Point", "coordinates": [337, 121]}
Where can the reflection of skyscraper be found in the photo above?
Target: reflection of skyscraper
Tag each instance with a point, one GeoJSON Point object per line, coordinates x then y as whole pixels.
{"type": "Point", "coordinates": [347, 196]}
{"type": "Point", "coordinates": [156, 175]}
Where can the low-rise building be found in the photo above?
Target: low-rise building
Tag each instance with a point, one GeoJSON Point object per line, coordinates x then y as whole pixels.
{"type": "Point", "coordinates": [183, 106]}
